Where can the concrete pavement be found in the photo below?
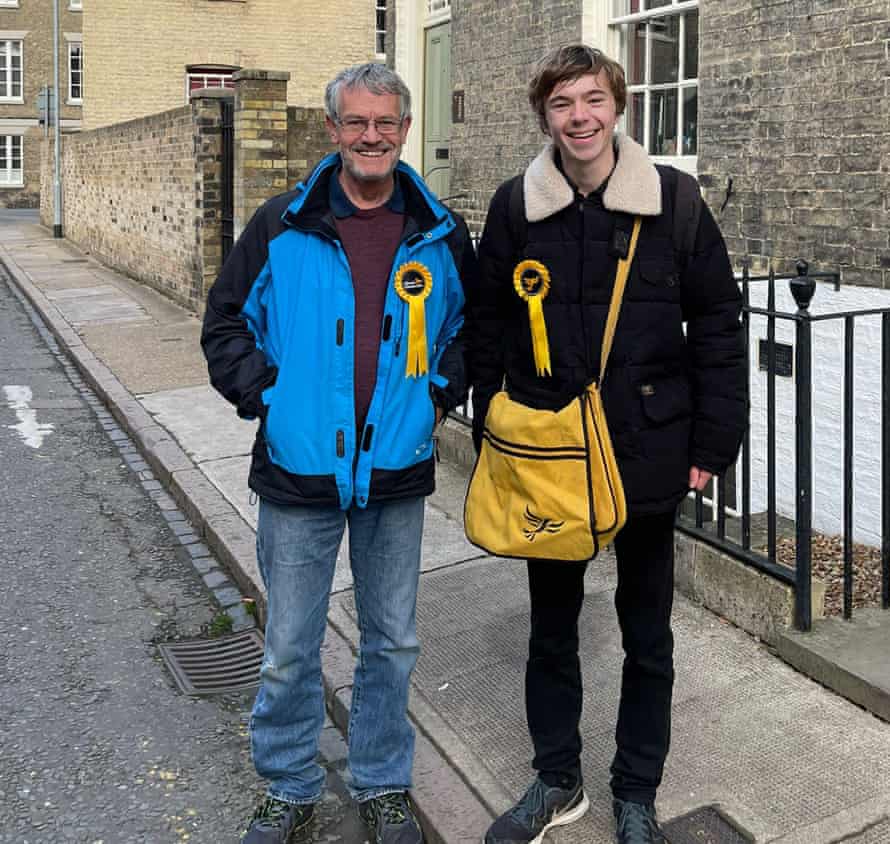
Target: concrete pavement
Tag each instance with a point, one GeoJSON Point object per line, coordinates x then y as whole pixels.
{"type": "Point", "coordinates": [782, 757]}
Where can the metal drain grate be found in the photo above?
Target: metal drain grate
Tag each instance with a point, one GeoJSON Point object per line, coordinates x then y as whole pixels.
{"type": "Point", "coordinates": [213, 666]}
{"type": "Point", "coordinates": [704, 826]}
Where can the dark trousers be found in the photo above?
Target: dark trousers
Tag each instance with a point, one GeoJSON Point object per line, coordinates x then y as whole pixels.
{"type": "Point", "coordinates": [553, 690]}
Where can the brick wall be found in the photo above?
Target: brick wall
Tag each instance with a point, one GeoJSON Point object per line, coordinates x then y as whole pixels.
{"type": "Point", "coordinates": [307, 142]}
{"type": "Point", "coordinates": [311, 41]}
{"type": "Point", "coordinates": [129, 198]}
{"type": "Point", "coordinates": [494, 46]}
{"type": "Point", "coordinates": [794, 108]}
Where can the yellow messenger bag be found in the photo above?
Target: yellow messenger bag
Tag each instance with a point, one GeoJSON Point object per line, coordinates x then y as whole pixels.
{"type": "Point", "coordinates": [546, 483]}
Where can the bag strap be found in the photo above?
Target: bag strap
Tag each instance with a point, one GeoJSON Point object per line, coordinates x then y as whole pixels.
{"type": "Point", "coordinates": [617, 295]}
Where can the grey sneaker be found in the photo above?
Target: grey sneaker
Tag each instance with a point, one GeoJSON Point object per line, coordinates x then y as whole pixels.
{"type": "Point", "coordinates": [277, 822]}
{"type": "Point", "coordinates": [391, 819]}
{"type": "Point", "coordinates": [542, 807]}
{"type": "Point", "coordinates": [636, 823]}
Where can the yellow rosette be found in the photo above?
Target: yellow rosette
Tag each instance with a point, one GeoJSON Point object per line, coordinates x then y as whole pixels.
{"type": "Point", "coordinates": [414, 283]}
{"type": "Point", "coordinates": [532, 282]}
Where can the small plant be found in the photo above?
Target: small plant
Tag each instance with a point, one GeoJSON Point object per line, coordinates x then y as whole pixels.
{"type": "Point", "coordinates": [220, 624]}
{"type": "Point", "coordinates": [250, 607]}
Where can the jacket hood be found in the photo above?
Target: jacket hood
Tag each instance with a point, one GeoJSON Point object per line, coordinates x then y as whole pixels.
{"type": "Point", "coordinates": [421, 204]}
{"type": "Point", "coordinates": [634, 187]}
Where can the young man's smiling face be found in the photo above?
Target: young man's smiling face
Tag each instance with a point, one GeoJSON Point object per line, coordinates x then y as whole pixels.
{"type": "Point", "coordinates": [369, 134]}
{"type": "Point", "coordinates": [581, 115]}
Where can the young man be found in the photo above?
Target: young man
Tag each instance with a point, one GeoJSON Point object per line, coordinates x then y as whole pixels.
{"type": "Point", "coordinates": [337, 321]}
{"type": "Point", "coordinates": [675, 397]}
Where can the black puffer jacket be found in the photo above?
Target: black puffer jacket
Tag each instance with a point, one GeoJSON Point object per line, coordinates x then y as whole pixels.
{"type": "Point", "coordinates": [673, 399]}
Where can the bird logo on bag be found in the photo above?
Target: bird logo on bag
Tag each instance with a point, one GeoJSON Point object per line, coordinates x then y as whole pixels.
{"type": "Point", "coordinates": [539, 525]}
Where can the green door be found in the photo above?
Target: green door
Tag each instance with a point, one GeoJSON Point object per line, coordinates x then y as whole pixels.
{"type": "Point", "coordinates": [437, 109]}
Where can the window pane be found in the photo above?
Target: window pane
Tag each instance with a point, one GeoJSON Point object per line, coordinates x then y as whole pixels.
{"type": "Point", "coordinates": [691, 70]}
{"type": "Point", "coordinates": [690, 121]}
{"type": "Point", "coordinates": [665, 35]}
{"type": "Point", "coordinates": [663, 117]}
{"type": "Point", "coordinates": [4, 159]}
{"type": "Point", "coordinates": [655, 4]}
{"type": "Point", "coordinates": [635, 34]}
{"type": "Point", "coordinates": [635, 111]}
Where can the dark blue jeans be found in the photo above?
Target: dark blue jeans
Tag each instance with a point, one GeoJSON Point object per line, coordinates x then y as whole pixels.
{"type": "Point", "coordinates": [296, 550]}
{"type": "Point", "coordinates": [553, 689]}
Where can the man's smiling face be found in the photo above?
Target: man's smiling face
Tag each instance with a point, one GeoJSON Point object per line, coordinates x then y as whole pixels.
{"type": "Point", "coordinates": [369, 154]}
{"type": "Point", "coordinates": [581, 115]}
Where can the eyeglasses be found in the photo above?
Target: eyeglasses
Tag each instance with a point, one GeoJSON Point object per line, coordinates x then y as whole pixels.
{"type": "Point", "coordinates": [360, 125]}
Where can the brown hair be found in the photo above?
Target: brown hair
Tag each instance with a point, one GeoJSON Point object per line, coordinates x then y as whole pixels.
{"type": "Point", "coordinates": [568, 63]}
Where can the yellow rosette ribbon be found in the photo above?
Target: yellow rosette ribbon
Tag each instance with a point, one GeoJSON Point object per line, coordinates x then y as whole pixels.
{"type": "Point", "coordinates": [532, 282]}
{"type": "Point", "coordinates": [414, 283]}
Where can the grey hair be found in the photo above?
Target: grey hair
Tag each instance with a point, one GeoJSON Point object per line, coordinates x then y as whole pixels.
{"type": "Point", "coordinates": [374, 77]}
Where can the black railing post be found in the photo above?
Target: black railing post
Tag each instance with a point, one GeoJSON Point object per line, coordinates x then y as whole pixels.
{"type": "Point", "coordinates": [885, 459]}
{"type": "Point", "coordinates": [849, 330]}
{"type": "Point", "coordinates": [803, 288]}
{"type": "Point", "coordinates": [746, 440]}
{"type": "Point", "coordinates": [771, 418]}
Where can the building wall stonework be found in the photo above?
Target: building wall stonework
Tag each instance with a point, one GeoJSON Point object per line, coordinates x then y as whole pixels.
{"type": "Point", "coordinates": [311, 41]}
{"type": "Point", "coordinates": [307, 142]}
{"type": "Point", "coordinates": [35, 19]}
{"type": "Point", "coordinates": [494, 47]}
{"type": "Point", "coordinates": [794, 107]}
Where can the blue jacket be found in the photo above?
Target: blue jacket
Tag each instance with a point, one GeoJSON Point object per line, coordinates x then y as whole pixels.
{"type": "Point", "coordinates": [278, 338]}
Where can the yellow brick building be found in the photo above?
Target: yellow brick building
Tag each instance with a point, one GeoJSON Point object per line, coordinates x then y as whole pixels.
{"type": "Point", "coordinates": [142, 57]}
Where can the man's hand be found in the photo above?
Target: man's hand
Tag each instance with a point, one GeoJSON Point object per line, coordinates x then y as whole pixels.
{"type": "Point", "coordinates": [698, 478]}
{"type": "Point", "coordinates": [439, 414]}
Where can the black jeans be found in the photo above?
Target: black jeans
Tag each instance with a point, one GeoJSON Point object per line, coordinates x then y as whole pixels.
{"type": "Point", "coordinates": [553, 690]}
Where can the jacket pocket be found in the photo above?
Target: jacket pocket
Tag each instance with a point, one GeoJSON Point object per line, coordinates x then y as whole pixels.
{"type": "Point", "coordinates": [665, 400]}
{"type": "Point", "coordinates": [660, 276]}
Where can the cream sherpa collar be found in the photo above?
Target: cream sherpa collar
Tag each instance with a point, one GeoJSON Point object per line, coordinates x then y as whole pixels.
{"type": "Point", "coordinates": [634, 188]}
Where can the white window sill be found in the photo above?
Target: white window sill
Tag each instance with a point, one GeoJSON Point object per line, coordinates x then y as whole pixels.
{"type": "Point", "coordinates": [74, 102]}
{"type": "Point", "coordinates": [12, 100]}
{"type": "Point", "coordinates": [9, 5]}
{"type": "Point", "coordinates": [75, 8]}
{"type": "Point", "coordinates": [4, 186]}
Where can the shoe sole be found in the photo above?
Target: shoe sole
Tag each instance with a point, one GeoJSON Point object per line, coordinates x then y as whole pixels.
{"type": "Point", "coordinates": [572, 815]}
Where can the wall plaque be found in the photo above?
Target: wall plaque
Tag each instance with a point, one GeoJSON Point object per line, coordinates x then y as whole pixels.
{"type": "Point", "coordinates": [784, 358]}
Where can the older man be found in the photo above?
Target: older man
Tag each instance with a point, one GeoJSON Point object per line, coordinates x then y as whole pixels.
{"type": "Point", "coordinates": [337, 321]}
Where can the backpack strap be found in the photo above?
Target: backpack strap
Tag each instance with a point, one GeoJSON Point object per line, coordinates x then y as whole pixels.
{"type": "Point", "coordinates": [516, 214]}
{"type": "Point", "coordinates": [687, 212]}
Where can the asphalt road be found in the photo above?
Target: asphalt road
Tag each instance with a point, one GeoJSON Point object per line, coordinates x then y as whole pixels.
{"type": "Point", "coordinates": [97, 743]}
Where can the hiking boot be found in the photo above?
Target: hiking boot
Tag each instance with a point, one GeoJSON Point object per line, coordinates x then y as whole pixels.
{"type": "Point", "coordinates": [636, 823]}
{"type": "Point", "coordinates": [391, 819]}
{"type": "Point", "coordinates": [542, 807]}
{"type": "Point", "coordinates": [277, 822]}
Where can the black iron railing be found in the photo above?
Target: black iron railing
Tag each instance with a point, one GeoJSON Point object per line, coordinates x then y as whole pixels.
{"type": "Point", "coordinates": [713, 528]}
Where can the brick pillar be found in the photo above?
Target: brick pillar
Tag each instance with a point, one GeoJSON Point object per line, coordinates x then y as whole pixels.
{"type": "Point", "coordinates": [207, 113]}
{"type": "Point", "coordinates": [260, 140]}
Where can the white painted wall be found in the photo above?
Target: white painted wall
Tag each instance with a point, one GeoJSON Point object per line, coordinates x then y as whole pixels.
{"type": "Point", "coordinates": [828, 412]}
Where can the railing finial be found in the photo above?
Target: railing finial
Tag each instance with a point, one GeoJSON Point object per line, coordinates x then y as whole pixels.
{"type": "Point", "coordinates": [803, 287]}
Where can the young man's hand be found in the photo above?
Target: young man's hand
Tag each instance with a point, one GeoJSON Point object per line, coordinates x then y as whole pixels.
{"type": "Point", "coordinates": [439, 414]}
{"type": "Point", "coordinates": [698, 478]}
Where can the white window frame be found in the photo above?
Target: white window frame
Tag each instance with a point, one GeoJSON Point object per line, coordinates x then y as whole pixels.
{"type": "Point", "coordinates": [380, 32]}
{"type": "Point", "coordinates": [10, 4]}
{"type": "Point", "coordinates": [437, 11]}
{"type": "Point", "coordinates": [675, 8]}
{"type": "Point", "coordinates": [72, 46]}
{"type": "Point", "coordinates": [216, 75]}
{"type": "Point", "coordinates": [11, 98]}
{"type": "Point", "coordinates": [75, 5]}
{"type": "Point", "coordinates": [8, 178]}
